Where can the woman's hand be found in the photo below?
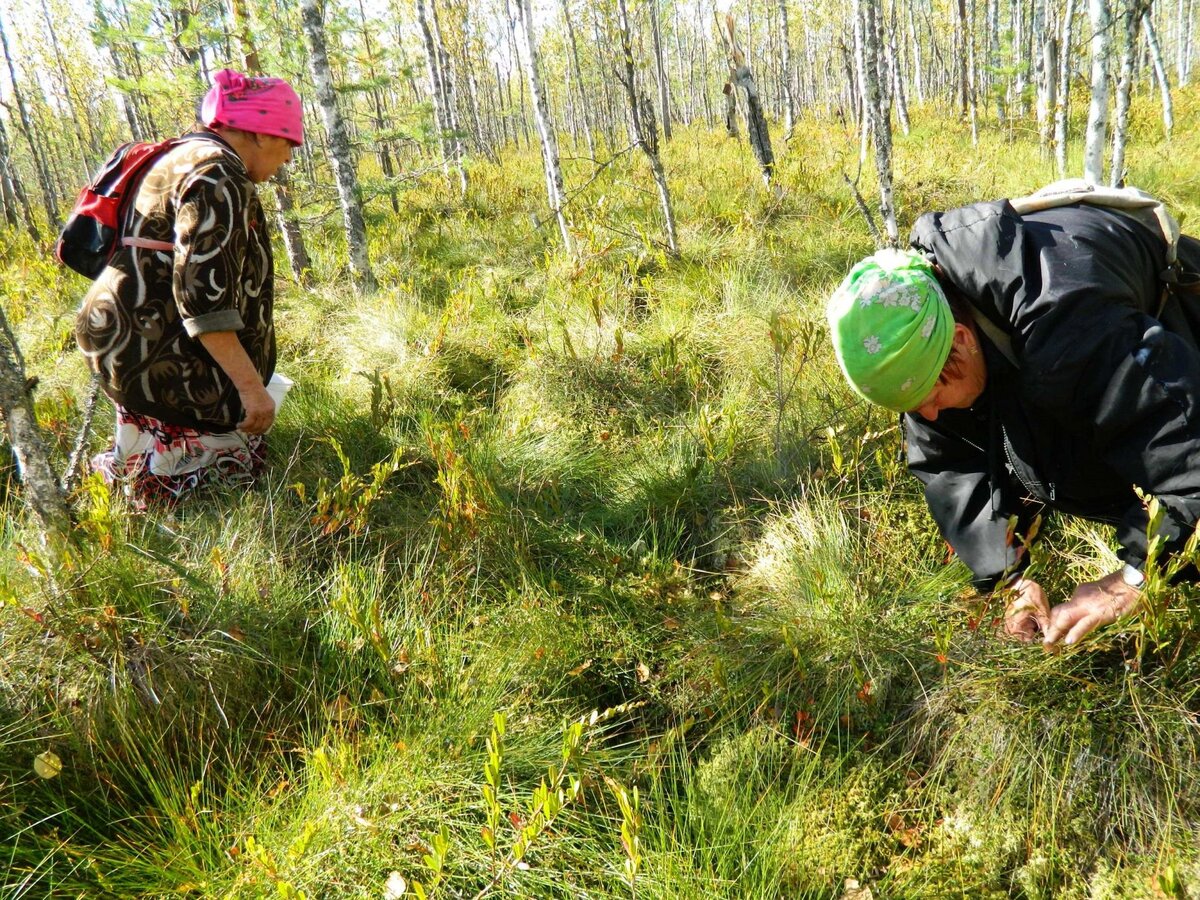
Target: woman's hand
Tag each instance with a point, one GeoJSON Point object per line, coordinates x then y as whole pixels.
{"type": "Point", "coordinates": [1028, 611]}
{"type": "Point", "coordinates": [230, 355]}
{"type": "Point", "coordinates": [260, 410]}
{"type": "Point", "coordinates": [1093, 604]}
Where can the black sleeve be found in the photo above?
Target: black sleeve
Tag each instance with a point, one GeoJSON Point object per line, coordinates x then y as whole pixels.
{"type": "Point", "coordinates": [951, 459]}
{"type": "Point", "coordinates": [1148, 428]}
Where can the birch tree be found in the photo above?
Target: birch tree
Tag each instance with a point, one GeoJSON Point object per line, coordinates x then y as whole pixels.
{"type": "Point", "coordinates": [1131, 20]}
{"type": "Point", "coordinates": [550, 159]}
{"type": "Point", "coordinates": [660, 68]}
{"type": "Point", "coordinates": [1097, 124]}
{"type": "Point", "coordinates": [1061, 107]}
{"type": "Point", "coordinates": [340, 153]}
{"type": "Point", "coordinates": [288, 221]}
{"type": "Point", "coordinates": [43, 493]}
{"type": "Point", "coordinates": [440, 94]}
{"type": "Point", "coordinates": [577, 78]}
{"type": "Point", "coordinates": [1160, 73]}
{"type": "Point", "coordinates": [645, 134]}
{"type": "Point", "coordinates": [49, 195]}
{"type": "Point", "coordinates": [881, 124]}
{"type": "Point", "coordinates": [786, 52]}
{"type": "Point", "coordinates": [741, 79]}
{"type": "Point", "coordinates": [14, 191]}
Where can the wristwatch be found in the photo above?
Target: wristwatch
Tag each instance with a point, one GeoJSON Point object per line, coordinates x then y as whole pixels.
{"type": "Point", "coordinates": [1132, 577]}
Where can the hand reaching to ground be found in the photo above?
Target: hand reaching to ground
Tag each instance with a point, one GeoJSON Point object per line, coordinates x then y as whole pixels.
{"type": "Point", "coordinates": [1093, 604]}
{"type": "Point", "coordinates": [1028, 611]}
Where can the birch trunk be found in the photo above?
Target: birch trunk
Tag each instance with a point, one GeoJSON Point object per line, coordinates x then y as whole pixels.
{"type": "Point", "coordinates": [288, 222]}
{"type": "Point", "coordinates": [550, 159]}
{"type": "Point", "coordinates": [1064, 92]}
{"type": "Point", "coordinates": [880, 120]}
{"type": "Point", "coordinates": [660, 67]}
{"type": "Point", "coordinates": [13, 186]}
{"type": "Point", "coordinates": [341, 155]}
{"type": "Point", "coordinates": [644, 133]}
{"type": "Point", "coordinates": [756, 122]}
{"type": "Point", "coordinates": [49, 195]}
{"type": "Point", "coordinates": [450, 104]}
{"type": "Point", "coordinates": [860, 69]}
{"type": "Point", "coordinates": [1160, 73]}
{"type": "Point", "coordinates": [1097, 125]}
{"type": "Point", "coordinates": [42, 492]}
{"type": "Point", "coordinates": [1131, 20]}
{"type": "Point", "coordinates": [577, 77]}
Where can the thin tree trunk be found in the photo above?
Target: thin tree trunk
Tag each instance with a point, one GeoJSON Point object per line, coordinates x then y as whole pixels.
{"type": "Point", "coordinates": [446, 71]}
{"type": "Point", "coordinates": [577, 77]}
{"type": "Point", "coordinates": [963, 76]}
{"type": "Point", "coordinates": [13, 186]}
{"type": "Point", "coordinates": [789, 101]}
{"type": "Point", "coordinates": [43, 493]}
{"type": "Point", "coordinates": [664, 100]}
{"type": "Point", "coordinates": [512, 37]}
{"type": "Point", "coordinates": [550, 158]}
{"type": "Point", "coordinates": [880, 121]}
{"type": "Point", "coordinates": [896, 76]}
{"type": "Point", "coordinates": [1097, 126]}
{"type": "Point", "coordinates": [756, 122]}
{"type": "Point", "coordinates": [644, 133]}
{"type": "Point", "coordinates": [1064, 92]}
{"type": "Point", "coordinates": [860, 69]}
{"type": "Point", "coordinates": [1160, 72]}
{"type": "Point", "coordinates": [69, 100]}
{"type": "Point", "coordinates": [340, 153]}
{"type": "Point", "coordinates": [1131, 19]}
{"type": "Point", "coordinates": [49, 195]}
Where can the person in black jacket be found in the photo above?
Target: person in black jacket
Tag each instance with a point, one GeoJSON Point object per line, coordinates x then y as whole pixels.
{"type": "Point", "coordinates": [1040, 365]}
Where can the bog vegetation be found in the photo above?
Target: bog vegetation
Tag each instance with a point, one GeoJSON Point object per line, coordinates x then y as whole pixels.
{"type": "Point", "coordinates": [580, 574]}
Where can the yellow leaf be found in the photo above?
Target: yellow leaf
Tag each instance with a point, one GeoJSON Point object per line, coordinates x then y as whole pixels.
{"type": "Point", "coordinates": [47, 764]}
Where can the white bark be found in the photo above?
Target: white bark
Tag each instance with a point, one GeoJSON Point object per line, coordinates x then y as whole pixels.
{"type": "Point", "coordinates": [550, 159]}
{"type": "Point", "coordinates": [1131, 17]}
{"type": "Point", "coordinates": [643, 134]}
{"type": "Point", "coordinates": [42, 491]}
{"type": "Point", "coordinates": [660, 67]}
{"type": "Point", "coordinates": [1160, 73]}
{"type": "Point", "coordinates": [880, 121]}
{"type": "Point", "coordinates": [1097, 125]}
{"type": "Point", "coordinates": [1064, 92]}
{"type": "Point", "coordinates": [789, 102]}
{"type": "Point", "coordinates": [341, 156]}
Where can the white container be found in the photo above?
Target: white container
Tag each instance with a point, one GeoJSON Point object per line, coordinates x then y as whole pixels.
{"type": "Point", "coordinates": [278, 387]}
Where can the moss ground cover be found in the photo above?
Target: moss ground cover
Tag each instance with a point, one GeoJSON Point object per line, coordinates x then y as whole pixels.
{"type": "Point", "coordinates": [519, 484]}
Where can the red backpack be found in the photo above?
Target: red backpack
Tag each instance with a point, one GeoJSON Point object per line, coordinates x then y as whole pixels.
{"type": "Point", "coordinates": [94, 229]}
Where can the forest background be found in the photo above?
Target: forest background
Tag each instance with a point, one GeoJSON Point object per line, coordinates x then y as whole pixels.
{"type": "Point", "coordinates": [577, 570]}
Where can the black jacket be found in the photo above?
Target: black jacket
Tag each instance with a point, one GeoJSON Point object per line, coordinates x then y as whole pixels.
{"type": "Point", "coordinates": [1103, 398]}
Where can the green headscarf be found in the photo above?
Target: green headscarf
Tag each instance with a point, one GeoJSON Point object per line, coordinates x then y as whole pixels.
{"type": "Point", "coordinates": [892, 328]}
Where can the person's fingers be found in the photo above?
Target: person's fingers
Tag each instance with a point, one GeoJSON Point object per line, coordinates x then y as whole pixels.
{"type": "Point", "coordinates": [1082, 629]}
{"type": "Point", "coordinates": [1060, 621]}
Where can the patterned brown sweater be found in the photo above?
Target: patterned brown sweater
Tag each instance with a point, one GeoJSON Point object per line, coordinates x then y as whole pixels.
{"type": "Point", "coordinates": [140, 322]}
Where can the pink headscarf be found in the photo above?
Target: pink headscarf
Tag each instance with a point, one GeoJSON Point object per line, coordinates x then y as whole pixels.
{"type": "Point", "coordinates": [257, 104]}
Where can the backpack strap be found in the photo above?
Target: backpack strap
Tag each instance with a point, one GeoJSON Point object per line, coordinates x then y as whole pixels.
{"type": "Point", "coordinates": [995, 334]}
{"type": "Point", "coordinates": [166, 147]}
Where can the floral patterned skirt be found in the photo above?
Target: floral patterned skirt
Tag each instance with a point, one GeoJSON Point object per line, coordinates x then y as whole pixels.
{"type": "Point", "coordinates": [157, 462]}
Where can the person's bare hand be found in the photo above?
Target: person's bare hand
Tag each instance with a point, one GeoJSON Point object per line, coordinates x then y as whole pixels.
{"type": "Point", "coordinates": [1094, 603]}
{"type": "Point", "coordinates": [1028, 611]}
{"type": "Point", "coordinates": [260, 410]}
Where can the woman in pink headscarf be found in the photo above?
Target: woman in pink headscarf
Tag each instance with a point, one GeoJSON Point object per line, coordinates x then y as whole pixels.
{"type": "Point", "coordinates": [183, 338]}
